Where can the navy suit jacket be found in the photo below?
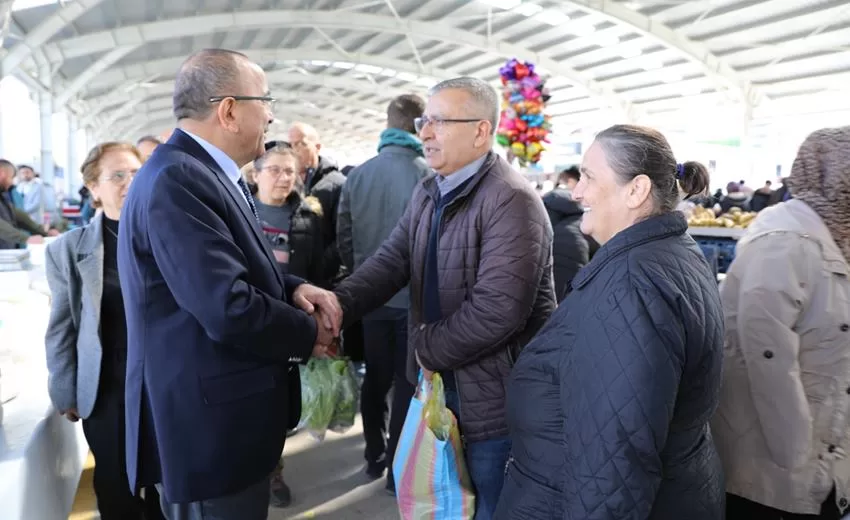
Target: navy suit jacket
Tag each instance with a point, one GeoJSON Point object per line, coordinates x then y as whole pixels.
{"type": "Point", "coordinates": [211, 335]}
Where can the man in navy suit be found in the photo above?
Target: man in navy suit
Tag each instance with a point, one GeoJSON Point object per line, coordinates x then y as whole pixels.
{"type": "Point", "coordinates": [214, 328]}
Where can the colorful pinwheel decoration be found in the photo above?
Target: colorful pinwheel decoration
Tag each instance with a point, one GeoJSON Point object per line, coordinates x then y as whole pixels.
{"type": "Point", "coordinates": [523, 127]}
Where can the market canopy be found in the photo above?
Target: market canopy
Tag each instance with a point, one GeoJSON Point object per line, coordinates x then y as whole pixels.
{"type": "Point", "coordinates": [336, 63]}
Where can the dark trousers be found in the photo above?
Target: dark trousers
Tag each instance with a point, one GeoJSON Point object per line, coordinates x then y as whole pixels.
{"type": "Point", "coordinates": [352, 341]}
{"type": "Point", "coordinates": [104, 431]}
{"type": "Point", "coordinates": [738, 508]}
{"type": "Point", "coordinates": [385, 346]}
{"type": "Point", "coordinates": [486, 462]}
{"type": "Point", "coordinates": [251, 503]}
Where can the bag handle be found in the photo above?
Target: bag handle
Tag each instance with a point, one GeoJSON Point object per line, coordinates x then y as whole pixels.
{"type": "Point", "coordinates": [420, 385]}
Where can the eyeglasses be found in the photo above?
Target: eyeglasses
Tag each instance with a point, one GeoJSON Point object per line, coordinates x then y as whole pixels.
{"type": "Point", "coordinates": [277, 171]}
{"type": "Point", "coordinates": [120, 177]}
{"type": "Point", "coordinates": [267, 100]}
{"type": "Point", "coordinates": [421, 122]}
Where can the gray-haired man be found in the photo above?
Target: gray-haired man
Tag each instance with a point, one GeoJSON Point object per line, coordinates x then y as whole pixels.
{"type": "Point", "coordinates": [475, 244]}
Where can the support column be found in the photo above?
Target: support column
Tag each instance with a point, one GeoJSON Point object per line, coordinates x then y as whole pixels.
{"type": "Point", "coordinates": [747, 149]}
{"type": "Point", "coordinates": [45, 109]}
{"type": "Point", "coordinates": [45, 105]}
{"type": "Point", "coordinates": [72, 179]}
{"type": "Point", "coordinates": [2, 149]}
{"type": "Point", "coordinates": [90, 138]}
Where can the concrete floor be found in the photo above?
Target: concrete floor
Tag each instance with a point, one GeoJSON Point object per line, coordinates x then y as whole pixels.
{"type": "Point", "coordinates": [327, 480]}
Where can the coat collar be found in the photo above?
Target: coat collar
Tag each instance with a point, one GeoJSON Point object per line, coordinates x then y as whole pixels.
{"type": "Point", "coordinates": [430, 183]}
{"type": "Point", "coordinates": [649, 230]}
{"type": "Point", "coordinates": [183, 141]}
{"type": "Point", "coordinates": [90, 260]}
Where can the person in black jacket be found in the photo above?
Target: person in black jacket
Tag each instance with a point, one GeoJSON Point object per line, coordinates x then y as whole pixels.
{"type": "Point", "coordinates": [570, 249]}
{"type": "Point", "coordinates": [322, 179]}
{"type": "Point", "coordinates": [293, 225]}
{"type": "Point", "coordinates": [608, 406]}
{"type": "Point", "coordinates": [291, 221]}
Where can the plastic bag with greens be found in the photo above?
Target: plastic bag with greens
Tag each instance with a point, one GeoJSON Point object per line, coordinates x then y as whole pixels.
{"type": "Point", "coordinates": [345, 409]}
{"type": "Point", "coordinates": [318, 397]}
{"type": "Point", "coordinates": [329, 396]}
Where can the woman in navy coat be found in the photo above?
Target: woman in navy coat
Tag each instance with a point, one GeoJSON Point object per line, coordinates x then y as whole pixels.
{"type": "Point", "coordinates": [609, 404]}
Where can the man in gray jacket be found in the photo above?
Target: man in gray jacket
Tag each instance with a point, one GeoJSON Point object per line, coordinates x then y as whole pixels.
{"type": "Point", "coordinates": [373, 200]}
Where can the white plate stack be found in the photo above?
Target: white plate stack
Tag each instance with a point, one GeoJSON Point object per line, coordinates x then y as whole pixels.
{"type": "Point", "coordinates": [14, 260]}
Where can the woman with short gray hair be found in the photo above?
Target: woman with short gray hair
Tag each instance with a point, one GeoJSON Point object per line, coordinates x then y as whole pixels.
{"type": "Point", "coordinates": [86, 338]}
{"type": "Point", "coordinates": [609, 404]}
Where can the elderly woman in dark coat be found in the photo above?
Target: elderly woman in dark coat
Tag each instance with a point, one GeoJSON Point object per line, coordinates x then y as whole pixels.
{"type": "Point", "coordinates": [609, 404]}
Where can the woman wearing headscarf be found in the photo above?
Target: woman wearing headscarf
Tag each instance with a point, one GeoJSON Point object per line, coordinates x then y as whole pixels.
{"type": "Point", "coordinates": [86, 340]}
{"type": "Point", "coordinates": [608, 406]}
{"type": "Point", "coordinates": [783, 424]}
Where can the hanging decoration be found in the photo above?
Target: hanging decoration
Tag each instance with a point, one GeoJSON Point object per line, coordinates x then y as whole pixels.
{"type": "Point", "coordinates": [523, 127]}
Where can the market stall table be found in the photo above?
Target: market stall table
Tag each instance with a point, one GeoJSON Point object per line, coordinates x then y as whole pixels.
{"type": "Point", "coordinates": [41, 453]}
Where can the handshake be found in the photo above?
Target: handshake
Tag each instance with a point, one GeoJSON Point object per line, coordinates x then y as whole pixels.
{"type": "Point", "coordinates": [325, 308]}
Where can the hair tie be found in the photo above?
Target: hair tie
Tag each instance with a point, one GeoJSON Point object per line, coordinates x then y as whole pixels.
{"type": "Point", "coordinates": [680, 171]}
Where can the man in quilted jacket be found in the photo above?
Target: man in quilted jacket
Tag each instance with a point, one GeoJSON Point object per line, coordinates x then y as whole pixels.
{"type": "Point", "coordinates": [475, 245]}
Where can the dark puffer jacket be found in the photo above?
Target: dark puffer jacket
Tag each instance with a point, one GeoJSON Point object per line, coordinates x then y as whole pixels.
{"type": "Point", "coordinates": [495, 284]}
{"type": "Point", "coordinates": [306, 252]}
{"type": "Point", "coordinates": [609, 404]}
{"type": "Point", "coordinates": [570, 251]}
{"type": "Point", "coordinates": [326, 185]}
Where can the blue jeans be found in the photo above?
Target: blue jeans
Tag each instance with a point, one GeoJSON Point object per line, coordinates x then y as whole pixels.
{"type": "Point", "coordinates": [486, 461]}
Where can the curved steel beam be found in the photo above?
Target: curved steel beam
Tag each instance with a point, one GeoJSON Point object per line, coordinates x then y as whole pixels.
{"type": "Point", "coordinates": [98, 104]}
{"type": "Point", "coordinates": [61, 18]}
{"type": "Point", "coordinates": [168, 66]}
{"type": "Point", "coordinates": [151, 124]}
{"type": "Point", "coordinates": [206, 24]}
{"type": "Point", "coordinates": [164, 103]}
{"type": "Point", "coordinates": [712, 66]}
{"type": "Point", "coordinates": [339, 120]}
{"type": "Point", "coordinates": [161, 100]}
{"type": "Point", "coordinates": [83, 79]}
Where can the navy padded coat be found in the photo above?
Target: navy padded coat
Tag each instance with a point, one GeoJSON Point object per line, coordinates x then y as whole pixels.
{"type": "Point", "coordinates": [608, 406]}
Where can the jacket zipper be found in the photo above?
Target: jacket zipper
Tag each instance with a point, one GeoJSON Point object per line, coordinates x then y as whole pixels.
{"type": "Point", "coordinates": [459, 409]}
{"type": "Point", "coordinates": [441, 225]}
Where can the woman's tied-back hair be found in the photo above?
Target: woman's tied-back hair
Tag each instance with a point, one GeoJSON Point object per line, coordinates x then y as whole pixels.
{"type": "Point", "coordinates": [281, 150]}
{"type": "Point", "coordinates": [633, 150]}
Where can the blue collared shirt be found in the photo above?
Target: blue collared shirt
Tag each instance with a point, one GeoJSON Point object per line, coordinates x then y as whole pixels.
{"type": "Point", "coordinates": [452, 181]}
{"type": "Point", "coordinates": [227, 165]}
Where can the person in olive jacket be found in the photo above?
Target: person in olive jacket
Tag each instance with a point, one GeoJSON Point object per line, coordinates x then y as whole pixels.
{"type": "Point", "coordinates": [609, 405]}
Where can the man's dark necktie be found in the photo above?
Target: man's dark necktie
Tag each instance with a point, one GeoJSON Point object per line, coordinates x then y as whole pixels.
{"type": "Point", "coordinates": [249, 198]}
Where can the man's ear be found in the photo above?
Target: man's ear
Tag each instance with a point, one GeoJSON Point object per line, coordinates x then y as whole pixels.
{"type": "Point", "coordinates": [318, 147]}
{"type": "Point", "coordinates": [482, 134]}
{"type": "Point", "coordinates": [226, 116]}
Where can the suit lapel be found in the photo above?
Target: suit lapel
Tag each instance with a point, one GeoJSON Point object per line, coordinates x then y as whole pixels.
{"type": "Point", "coordinates": [182, 140]}
{"type": "Point", "coordinates": [90, 262]}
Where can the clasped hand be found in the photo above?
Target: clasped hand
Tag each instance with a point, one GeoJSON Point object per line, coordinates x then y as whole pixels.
{"type": "Point", "coordinates": [325, 308]}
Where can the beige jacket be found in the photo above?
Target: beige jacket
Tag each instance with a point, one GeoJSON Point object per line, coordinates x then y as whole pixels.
{"type": "Point", "coordinates": [783, 425]}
